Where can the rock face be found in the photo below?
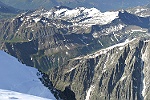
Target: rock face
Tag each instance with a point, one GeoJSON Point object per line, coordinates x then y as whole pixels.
{"type": "Point", "coordinates": [146, 71]}
{"type": "Point", "coordinates": [116, 73]}
{"type": "Point", "coordinates": [87, 55]}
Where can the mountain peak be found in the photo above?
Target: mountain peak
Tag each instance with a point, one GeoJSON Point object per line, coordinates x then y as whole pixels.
{"type": "Point", "coordinates": [62, 7]}
{"type": "Point", "coordinates": [78, 15]}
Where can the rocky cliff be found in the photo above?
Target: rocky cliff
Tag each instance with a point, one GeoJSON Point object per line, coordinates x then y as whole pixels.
{"type": "Point", "coordinates": [115, 73]}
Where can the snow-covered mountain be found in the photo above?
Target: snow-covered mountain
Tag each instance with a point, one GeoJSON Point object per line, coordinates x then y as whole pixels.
{"type": "Point", "coordinates": [40, 23]}
{"type": "Point", "coordinates": [143, 11]}
{"type": "Point", "coordinates": [100, 4]}
{"type": "Point", "coordinates": [67, 32]}
{"type": "Point", "coordinates": [79, 16]}
{"type": "Point", "coordinates": [79, 19]}
{"type": "Point", "coordinates": [20, 78]}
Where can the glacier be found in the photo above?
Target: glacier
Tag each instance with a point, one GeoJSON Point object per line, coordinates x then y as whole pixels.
{"type": "Point", "coordinates": [15, 76]}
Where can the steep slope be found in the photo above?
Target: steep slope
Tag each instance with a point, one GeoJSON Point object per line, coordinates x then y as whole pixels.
{"type": "Point", "coordinates": [20, 78]}
{"type": "Point", "coordinates": [119, 72]}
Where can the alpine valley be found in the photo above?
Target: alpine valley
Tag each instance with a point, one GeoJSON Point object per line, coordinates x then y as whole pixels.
{"type": "Point", "coordinates": [83, 53]}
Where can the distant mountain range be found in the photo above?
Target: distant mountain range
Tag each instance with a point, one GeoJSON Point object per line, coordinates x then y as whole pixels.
{"type": "Point", "coordinates": [102, 5]}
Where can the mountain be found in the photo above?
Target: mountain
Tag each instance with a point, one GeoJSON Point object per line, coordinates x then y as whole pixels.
{"type": "Point", "coordinates": [86, 54]}
{"type": "Point", "coordinates": [103, 5]}
{"type": "Point", "coordinates": [20, 78]}
{"type": "Point", "coordinates": [119, 72]}
{"type": "Point", "coordinates": [142, 11]}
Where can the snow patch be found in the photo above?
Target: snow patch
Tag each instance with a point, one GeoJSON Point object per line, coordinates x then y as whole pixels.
{"type": "Point", "coordinates": [139, 10]}
{"type": "Point", "coordinates": [122, 78]}
{"type": "Point", "coordinates": [121, 48]}
{"type": "Point", "coordinates": [67, 47]}
{"type": "Point", "coordinates": [58, 12]}
{"type": "Point", "coordinates": [138, 30]}
{"type": "Point", "coordinates": [67, 53]}
{"type": "Point", "coordinates": [72, 69]}
{"type": "Point", "coordinates": [100, 43]}
{"type": "Point", "coordinates": [111, 39]}
{"type": "Point", "coordinates": [89, 92]}
{"type": "Point", "coordinates": [37, 19]}
{"type": "Point", "coordinates": [116, 37]}
{"type": "Point", "coordinates": [95, 35]}
{"type": "Point", "coordinates": [11, 95]}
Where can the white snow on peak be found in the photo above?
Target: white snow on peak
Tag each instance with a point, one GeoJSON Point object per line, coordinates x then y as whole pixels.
{"type": "Point", "coordinates": [80, 16]}
{"type": "Point", "coordinates": [113, 28]}
{"type": "Point", "coordinates": [140, 11]}
{"type": "Point", "coordinates": [11, 95]}
{"type": "Point", "coordinates": [96, 17]}
{"type": "Point", "coordinates": [20, 78]}
{"type": "Point", "coordinates": [72, 13]}
{"type": "Point", "coordinates": [123, 77]}
{"type": "Point", "coordinates": [58, 12]}
{"type": "Point", "coordinates": [37, 19]}
{"type": "Point", "coordinates": [93, 15]}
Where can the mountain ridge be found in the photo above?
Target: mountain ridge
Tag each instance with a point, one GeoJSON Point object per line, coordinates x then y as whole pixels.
{"type": "Point", "coordinates": [83, 57]}
{"type": "Point", "coordinates": [99, 4]}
